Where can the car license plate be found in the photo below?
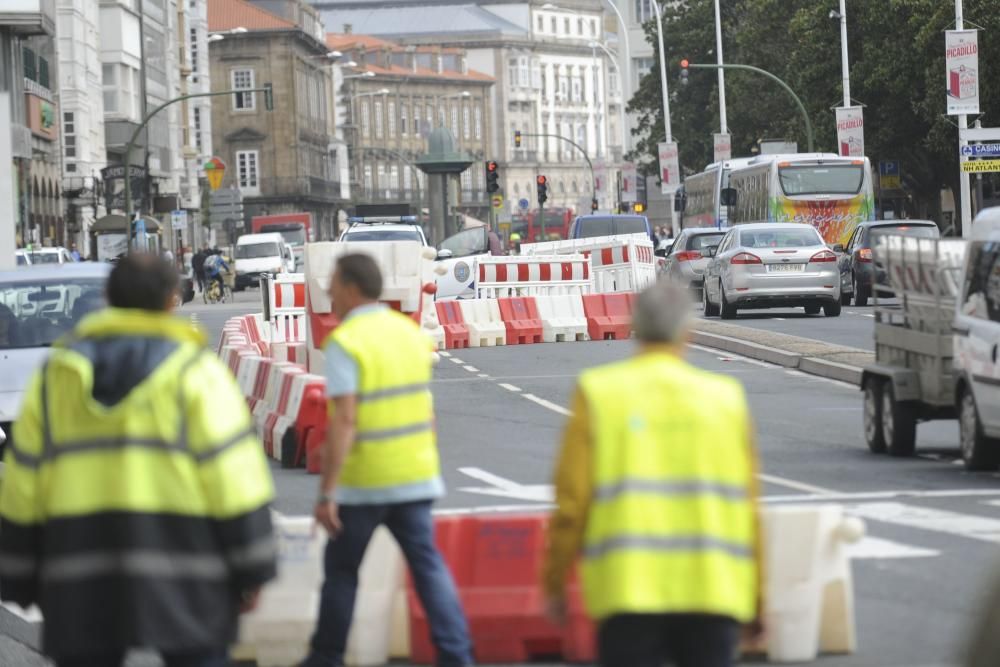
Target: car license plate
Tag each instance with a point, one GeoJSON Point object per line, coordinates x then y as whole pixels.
{"type": "Point", "coordinates": [785, 268]}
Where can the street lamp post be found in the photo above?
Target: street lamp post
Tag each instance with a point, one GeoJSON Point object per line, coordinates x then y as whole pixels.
{"type": "Point", "coordinates": [621, 107]}
{"type": "Point", "coordinates": [723, 123]}
{"type": "Point", "coordinates": [664, 88]}
{"type": "Point", "coordinates": [788, 89]}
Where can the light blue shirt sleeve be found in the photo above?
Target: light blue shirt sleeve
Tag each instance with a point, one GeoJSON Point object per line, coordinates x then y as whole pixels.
{"type": "Point", "coordinates": [341, 372]}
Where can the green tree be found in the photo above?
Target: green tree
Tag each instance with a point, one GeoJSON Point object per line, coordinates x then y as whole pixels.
{"type": "Point", "coordinates": [897, 71]}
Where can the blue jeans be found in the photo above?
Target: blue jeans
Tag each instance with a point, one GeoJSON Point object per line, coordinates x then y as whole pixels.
{"type": "Point", "coordinates": [218, 658]}
{"type": "Point", "coordinates": [413, 528]}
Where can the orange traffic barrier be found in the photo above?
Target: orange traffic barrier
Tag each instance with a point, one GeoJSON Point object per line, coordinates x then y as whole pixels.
{"type": "Point", "coordinates": [609, 316]}
{"type": "Point", "coordinates": [456, 333]}
{"type": "Point", "coordinates": [496, 562]}
{"type": "Point", "coordinates": [520, 316]}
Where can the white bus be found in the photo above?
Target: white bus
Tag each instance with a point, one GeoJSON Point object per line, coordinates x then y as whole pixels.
{"type": "Point", "coordinates": [830, 192]}
{"type": "Point", "coordinates": [702, 200]}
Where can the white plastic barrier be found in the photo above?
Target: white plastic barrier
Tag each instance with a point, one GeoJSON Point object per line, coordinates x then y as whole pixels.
{"type": "Point", "coordinates": [574, 246]}
{"type": "Point", "coordinates": [277, 633]}
{"type": "Point", "coordinates": [810, 594]}
{"type": "Point", "coordinates": [289, 327]}
{"type": "Point", "coordinates": [533, 276]}
{"type": "Point", "coordinates": [562, 318]}
{"type": "Point", "coordinates": [482, 317]}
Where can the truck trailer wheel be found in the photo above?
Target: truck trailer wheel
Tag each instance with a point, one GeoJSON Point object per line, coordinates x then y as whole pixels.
{"type": "Point", "coordinates": [873, 417]}
{"type": "Point", "coordinates": [899, 423]}
{"type": "Point", "coordinates": [978, 451]}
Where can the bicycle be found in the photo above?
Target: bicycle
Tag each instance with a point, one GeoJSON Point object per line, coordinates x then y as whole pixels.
{"type": "Point", "coordinates": [213, 294]}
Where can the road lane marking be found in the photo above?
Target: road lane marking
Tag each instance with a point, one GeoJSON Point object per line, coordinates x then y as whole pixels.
{"type": "Point", "coordinates": [736, 357]}
{"type": "Point", "coordinates": [506, 488]}
{"type": "Point", "coordinates": [798, 486]}
{"type": "Point", "coordinates": [878, 548]}
{"type": "Point", "coordinates": [483, 375]}
{"type": "Point", "coordinates": [968, 526]}
{"type": "Point", "coordinates": [494, 509]}
{"type": "Point", "coordinates": [882, 495]}
{"type": "Point", "coordinates": [445, 354]}
{"type": "Point", "coordinates": [509, 387]}
{"type": "Point", "coordinates": [455, 360]}
{"type": "Point", "coordinates": [558, 409]}
{"type": "Point", "coordinates": [471, 369]}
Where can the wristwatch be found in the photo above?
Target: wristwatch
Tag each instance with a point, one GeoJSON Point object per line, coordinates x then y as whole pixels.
{"type": "Point", "coordinates": [324, 499]}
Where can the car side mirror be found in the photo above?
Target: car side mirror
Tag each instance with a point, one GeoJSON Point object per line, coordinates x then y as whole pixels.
{"type": "Point", "coordinates": [444, 254]}
{"type": "Point", "coordinates": [663, 252]}
{"type": "Point", "coordinates": [839, 248]}
{"type": "Point", "coordinates": [728, 196]}
{"type": "Point", "coordinates": [710, 252]}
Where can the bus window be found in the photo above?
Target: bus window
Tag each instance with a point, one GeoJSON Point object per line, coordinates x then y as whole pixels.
{"type": "Point", "coordinates": [821, 179]}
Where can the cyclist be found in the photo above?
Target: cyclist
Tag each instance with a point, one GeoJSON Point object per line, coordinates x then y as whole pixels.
{"type": "Point", "coordinates": [214, 267]}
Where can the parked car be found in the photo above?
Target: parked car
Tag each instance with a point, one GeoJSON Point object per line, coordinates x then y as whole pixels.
{"type": "Point", "coordinates": [689, 255]}
{"type": "Point", "coordinates": [859, 272]}
{"type": "Point", "coordinates": [57, 255]}
{"type": "Point", "coordinates": [38, 304]}
{"type": "Point", "coordinates": [769, 265]}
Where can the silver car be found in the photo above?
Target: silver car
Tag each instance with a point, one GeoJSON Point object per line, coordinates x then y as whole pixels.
{"type": "Point", "coordinates": [689, 258]}
{"type": "Point", "coordinates": [38, 304]}
{"type": "Point", "coordinates": [772, 265]}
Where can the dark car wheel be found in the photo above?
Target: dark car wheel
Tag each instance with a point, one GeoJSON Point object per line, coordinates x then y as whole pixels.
{"type": "Point", "coordinates": [861, 293]}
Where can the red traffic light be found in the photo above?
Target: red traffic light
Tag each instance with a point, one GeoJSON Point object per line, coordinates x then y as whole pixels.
{"type": "Point", "coordinates": [491, 166]}
{"type": "Point", "coordinates": [541, 180]}
{"type": "Point", "coordinates": [684, 63]}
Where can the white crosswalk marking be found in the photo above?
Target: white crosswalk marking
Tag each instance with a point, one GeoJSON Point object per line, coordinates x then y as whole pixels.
{"type": "Point", "coordinates": [876, 548]}
{"type": "Point", "coordinates": [925, 518]}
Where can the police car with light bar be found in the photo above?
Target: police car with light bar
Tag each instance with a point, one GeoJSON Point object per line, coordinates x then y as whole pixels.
{"type": "Point", "coordinates": [384, 228]}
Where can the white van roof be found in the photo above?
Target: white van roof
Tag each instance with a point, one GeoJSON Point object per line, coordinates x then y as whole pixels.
{"type": "Point", "coordinates": [270, 237]}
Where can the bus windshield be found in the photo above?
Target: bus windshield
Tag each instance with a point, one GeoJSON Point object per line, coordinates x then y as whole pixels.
{"type": "Point", "coordinates": [822, 179]}
{"type": "Point", "coordinates": [294, 234]}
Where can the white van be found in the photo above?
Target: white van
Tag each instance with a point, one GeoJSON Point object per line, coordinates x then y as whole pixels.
{"type": "Point", "coordinates": [261, 253]}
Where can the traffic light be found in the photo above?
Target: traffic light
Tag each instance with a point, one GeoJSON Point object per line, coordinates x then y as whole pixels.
{"type": "Point", "coordinates": [543, 189]}
{"type": "Point", "coordinates": [492, 184]}
{"type": "Point", "coordinates": [517, 138]}
{"type": "Point", "coordinates": [593, 205]}
{"type": "Point", "coordinates": [684, 72]}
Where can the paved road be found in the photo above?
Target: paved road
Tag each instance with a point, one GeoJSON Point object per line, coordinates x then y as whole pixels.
{"type": "Point", "coordinates": [933, 528]}
{"type": "Point", "coordinates": [853, 328]}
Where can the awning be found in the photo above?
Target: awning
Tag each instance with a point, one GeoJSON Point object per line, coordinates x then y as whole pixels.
{"type": "Point", "coordinates": [119, 224]}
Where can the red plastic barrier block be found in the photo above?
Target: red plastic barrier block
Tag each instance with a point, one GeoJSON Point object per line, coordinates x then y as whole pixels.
{"type": "Point", "coordinates": [609, 316]}
{"type": "Point", "coordinates": [311, 418]}
{"type": "Point", "coordinates": [520, 316]}
{"type": "Point", "coordinates": [456, 333]}
{"type": "Point", "coordinates": [496, 562]}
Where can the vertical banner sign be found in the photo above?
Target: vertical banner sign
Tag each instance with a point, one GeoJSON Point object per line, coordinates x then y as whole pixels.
{"type": "Point", "coordinates": [723, 147]}
{"type": "Point", "coordinates": [670, 169]}
{"type": "Point", "coordinates": [629, 178]}
{"type": "Point", "coordinates": [851, 131]}
{"type": "Point", "coordinates": [961, 63]}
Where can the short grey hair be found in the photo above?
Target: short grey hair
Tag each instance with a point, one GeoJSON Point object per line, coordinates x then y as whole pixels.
{"type": "Point", "coordinates": [663, 313]}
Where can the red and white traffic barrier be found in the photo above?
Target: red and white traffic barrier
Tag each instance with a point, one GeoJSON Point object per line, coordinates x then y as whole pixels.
{"type": "Point", "coordinates": [618, 263]}
{"type": "Point", "coordinates": [533, 276]}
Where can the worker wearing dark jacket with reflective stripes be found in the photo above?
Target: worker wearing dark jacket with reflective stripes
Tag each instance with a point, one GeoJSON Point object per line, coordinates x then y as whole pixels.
{"type": "Point", "coordinates": [134, 506]}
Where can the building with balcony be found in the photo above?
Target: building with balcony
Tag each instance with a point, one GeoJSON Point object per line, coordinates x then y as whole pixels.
{"type": "Point", "coordinates": [29, 182]}
{"type": "Point", "coordinates": [551, 78]}
{"type": "Point", "coordinates": [395, 95]}
{"type": "Point", "coordinates": [280, 160]}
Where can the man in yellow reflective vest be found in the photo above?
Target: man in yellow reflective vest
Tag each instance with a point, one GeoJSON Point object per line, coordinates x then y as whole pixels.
{"type": "Point", "coordinates": [656, 491]}
{"type": "Point", "coordinates": [380, 463]}
{"type": "Point", "coordinates": [134, 508]}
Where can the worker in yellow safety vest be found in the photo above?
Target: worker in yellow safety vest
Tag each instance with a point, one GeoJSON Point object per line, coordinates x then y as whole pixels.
{"type": "Point", "coordinates": [655, 489]}
{"type": "Point", "coordinates": [380, 462]}
{"type": "Point", "coordinates": [134, 508]}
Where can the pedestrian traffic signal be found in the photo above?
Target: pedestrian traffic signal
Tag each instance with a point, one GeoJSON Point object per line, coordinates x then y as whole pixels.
{"type": "Point", "coordinates": [517, 138]}
{"type": "Point", "coordinates": [593, 205]}
{"type": "Point", "coordinates": [492, 184]}
{"type": "Point", "coordinates": [638, 207]}
{"type": "Point", "coordinates": [684, 72]}
{"type": "Point", "coordinates": [543, 189]}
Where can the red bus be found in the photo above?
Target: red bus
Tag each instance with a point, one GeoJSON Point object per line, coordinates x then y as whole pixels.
{"type": "Point", "coordinates": [557, 222]}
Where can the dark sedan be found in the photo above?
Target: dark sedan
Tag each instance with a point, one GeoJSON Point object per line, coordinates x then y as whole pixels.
{"type": "Point", "coordinates": [860, 275]}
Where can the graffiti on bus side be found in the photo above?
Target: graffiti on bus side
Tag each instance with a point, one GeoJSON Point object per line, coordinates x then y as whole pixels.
{"type": "Point", "coordinates": [835, 219]}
